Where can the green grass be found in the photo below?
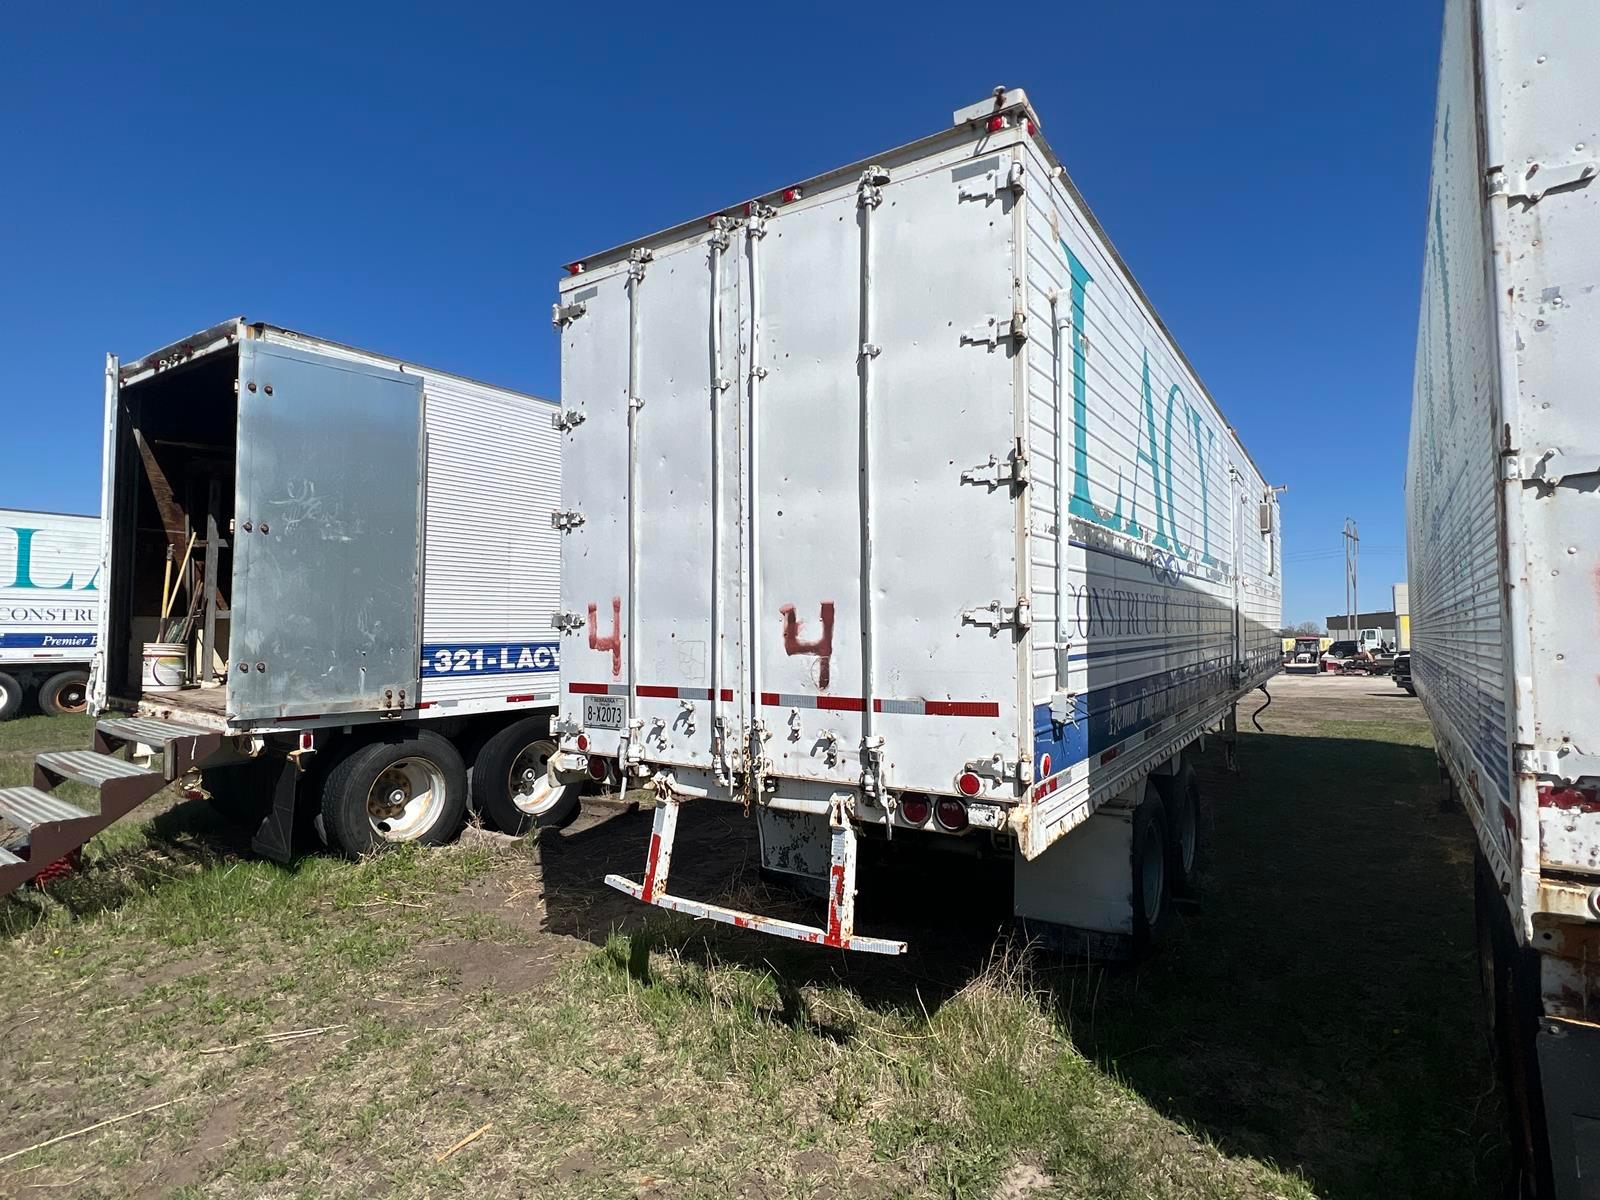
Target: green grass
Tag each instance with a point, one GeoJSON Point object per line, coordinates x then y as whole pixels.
{"type": "Point", "coordinates": [1309, 1030]}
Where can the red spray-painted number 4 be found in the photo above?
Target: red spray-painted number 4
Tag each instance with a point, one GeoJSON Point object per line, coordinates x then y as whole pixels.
{"type": "Point", "coordinates": [821, 647]}
{"type": "Point", "coordinates": [612, 642]}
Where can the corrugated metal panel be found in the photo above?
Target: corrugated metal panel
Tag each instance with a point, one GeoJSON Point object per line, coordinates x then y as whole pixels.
{"type": "Point", "coordinates": [1458, 619]}
{"type": "Point", "coordinates": [1159, 502]}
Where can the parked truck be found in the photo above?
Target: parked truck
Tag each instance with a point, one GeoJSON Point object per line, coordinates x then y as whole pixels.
{"type": "Point", "coordinates": [893, 512]}
{"type": "Point", "coordinates": [1503, 515]}
{"type": "Point", "coordinates": [49, 610]}
{"type": "Point", "coordinates": [328, 582]}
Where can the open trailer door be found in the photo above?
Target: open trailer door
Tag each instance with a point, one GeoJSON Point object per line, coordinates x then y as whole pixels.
{"type": "Point", "coordinates": [327, 536]}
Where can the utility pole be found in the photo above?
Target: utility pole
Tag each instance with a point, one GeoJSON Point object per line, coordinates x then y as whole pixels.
{"type": "Point", "coordinates": [1352, 547]}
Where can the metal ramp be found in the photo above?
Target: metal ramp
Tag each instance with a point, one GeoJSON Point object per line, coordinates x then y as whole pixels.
{"type": "Point", "coordinates": [52, 828]}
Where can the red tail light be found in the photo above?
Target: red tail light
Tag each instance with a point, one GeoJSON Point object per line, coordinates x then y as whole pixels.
{"type": "Point", "coordinates": [582, 744]}
{"type": "Point", "coordinates": [951, 813]}
{"type": "Point", "coordinates": [914, 809]}
{"type": "Point", "coordinates": [968, 784]}
{"type": "Point", "coordinates": [599, 768]}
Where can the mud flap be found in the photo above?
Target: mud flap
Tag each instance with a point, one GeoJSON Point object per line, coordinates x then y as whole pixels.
{"type": "Point", "coordinates": [275, 838]}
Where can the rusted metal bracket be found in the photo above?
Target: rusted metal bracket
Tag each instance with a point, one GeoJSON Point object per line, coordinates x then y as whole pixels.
{"type": "Point", "coordinates": [990, 184]}
{"type": "Point", "coordinates": [997, 329]}
{"type": "Point", "coordinates": [565, 314]}
{"type": "Point", "coordinates": [1010, 471]}
{"type": "Point", "coordinates": [568, 622]}
{"type": "Point", "coordinates": [998, 616]}
{"type": "Point", "coordinates": [566, 520]}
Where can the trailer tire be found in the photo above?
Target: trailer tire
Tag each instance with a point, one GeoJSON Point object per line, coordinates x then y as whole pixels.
{"type": "Point", "coordinates": [1181, 794]}
{"type": "Point", "coordinates": [10, 697]}
{"type": "Point", "coordinates": [509, 788]}
{"type": "Point", "coordinates": [1152, 891]}
{"type": "Point", "coordinates": [414, 790]}
{"type": "Point", "coordinates": [66, 694]}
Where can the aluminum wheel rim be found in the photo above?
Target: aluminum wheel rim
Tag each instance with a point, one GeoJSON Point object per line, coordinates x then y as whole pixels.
{"type": "Point", "coordinates": [1153, 883]}
{"type": "Point", "coordinates": [406, 799]}
{"type": "Point", "coordinates": [527, 782]}
{"type": "Point", "coordinates": [74, 698]}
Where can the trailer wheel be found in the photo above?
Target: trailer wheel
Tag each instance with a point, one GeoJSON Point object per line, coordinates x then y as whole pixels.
{"type": "Point", "coordinates": [1181, 793]}
{"type": "Point", "coordinates": [10, 697]}
{"type": "Point", "coordinates": [509, 784]}
{"type": "Point", "coordinates": [408, 791]}
{"type": "Point", "coordinates": [65, 694]}
{"type": "Point", "coordinates": [1151, 879]}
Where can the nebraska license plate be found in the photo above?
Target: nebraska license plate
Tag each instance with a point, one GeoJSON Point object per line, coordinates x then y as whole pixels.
{"type": "Point", "coordinates": [602, 712]}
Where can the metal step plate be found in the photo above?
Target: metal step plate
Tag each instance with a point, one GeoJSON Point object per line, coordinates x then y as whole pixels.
{"type": "Point", "coordinates": [90, 767]}
{"type": "Point", "coordinates": [146, 730]}
{"type": "Point", "coordinates": [27, 807]}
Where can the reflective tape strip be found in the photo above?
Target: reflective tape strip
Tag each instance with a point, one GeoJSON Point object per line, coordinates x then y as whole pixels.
{"type": "Point", "coordinates": [598, 689]}
{"type": "Point", "coordinates": [911, 708]}
{"type": "Point", "coordinates": [661, 692]}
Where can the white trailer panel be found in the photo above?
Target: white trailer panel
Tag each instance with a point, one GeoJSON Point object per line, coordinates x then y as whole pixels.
{"type": "Point", "coordinates": [822, 431]}
{"type": "Point", "coordinates": [49, 587]}
{"type": "Point", "coordinates": [1503, 509]}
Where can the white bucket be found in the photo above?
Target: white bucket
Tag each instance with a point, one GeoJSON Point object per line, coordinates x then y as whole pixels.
{"type": "Point", "coordinates": [166, 666]}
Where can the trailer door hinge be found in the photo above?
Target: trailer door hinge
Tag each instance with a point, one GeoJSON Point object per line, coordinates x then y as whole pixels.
{"type": "Point", "coordinates": [998, 616]}
{"type": "Point", "coordinates": [990, 184]}
{"type": "Point", "coordinates": [636, 261]}
{"type": "Point", "coordinates": [567, 622]}
{"type": "Point", "coordinates": [1539, 179]}
{"type": "Point", "coordinates": [565, 520]}
{"type": "Point", "coordinates": [568, 418]}
{"type": "Point", "coordinates": [995, 329]}
{"type": "Point", "coordinates": [564, 314]}
{"type": "Point", "coordinates": [1549, 468]}
{"type": "Point", "coordinates": [1010, 471]}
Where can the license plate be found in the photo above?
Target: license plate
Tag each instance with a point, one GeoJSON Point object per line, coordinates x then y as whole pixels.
{"type": "Point", "coordinates": [602, 712]}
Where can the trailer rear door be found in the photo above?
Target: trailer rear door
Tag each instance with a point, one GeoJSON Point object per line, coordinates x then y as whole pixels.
{"type": "Point", "coordinates": [327, 541]}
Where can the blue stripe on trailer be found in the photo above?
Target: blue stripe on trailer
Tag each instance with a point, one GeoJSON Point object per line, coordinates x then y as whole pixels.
{"type": "Point", "coordinates": [49, 641]}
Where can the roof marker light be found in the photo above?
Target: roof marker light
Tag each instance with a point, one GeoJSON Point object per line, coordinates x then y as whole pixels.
{"type": "Point", "coordinates": [790, 195]}
{"type": "Point", "coordinates": [996, 123]}
{"type": "Point", "coordinates": [575, 268]}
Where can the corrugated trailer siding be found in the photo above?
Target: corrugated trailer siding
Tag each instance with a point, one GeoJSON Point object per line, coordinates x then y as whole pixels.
{"type": "Point", "coordinates": [1458, 638]}
{"type": "Point", "coordinates": [492, 558]}
{"type": "Point", "coordinates": [1149, 610]}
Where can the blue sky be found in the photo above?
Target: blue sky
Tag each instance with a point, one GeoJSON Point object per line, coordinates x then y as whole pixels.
{"type": "Point", "coordinates": [410, 179]}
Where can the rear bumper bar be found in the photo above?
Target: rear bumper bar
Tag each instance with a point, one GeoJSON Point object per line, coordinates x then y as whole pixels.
{"type": "Point", "coordinates": [840, 930]}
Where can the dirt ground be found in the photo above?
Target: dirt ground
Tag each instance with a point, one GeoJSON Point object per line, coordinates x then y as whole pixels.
{"type": "Point", "coordinates": [1310, 1028]}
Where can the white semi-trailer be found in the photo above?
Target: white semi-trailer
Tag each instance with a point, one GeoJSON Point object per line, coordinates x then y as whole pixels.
{"type": "Point", "coordinates": [49, 610]}
{"type": "Point", "coordinates": [1503, 507]}
{"type": "Point", "coordinates": [328, 583]}
{"type": "Point", "coordinates": [891, 509]}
